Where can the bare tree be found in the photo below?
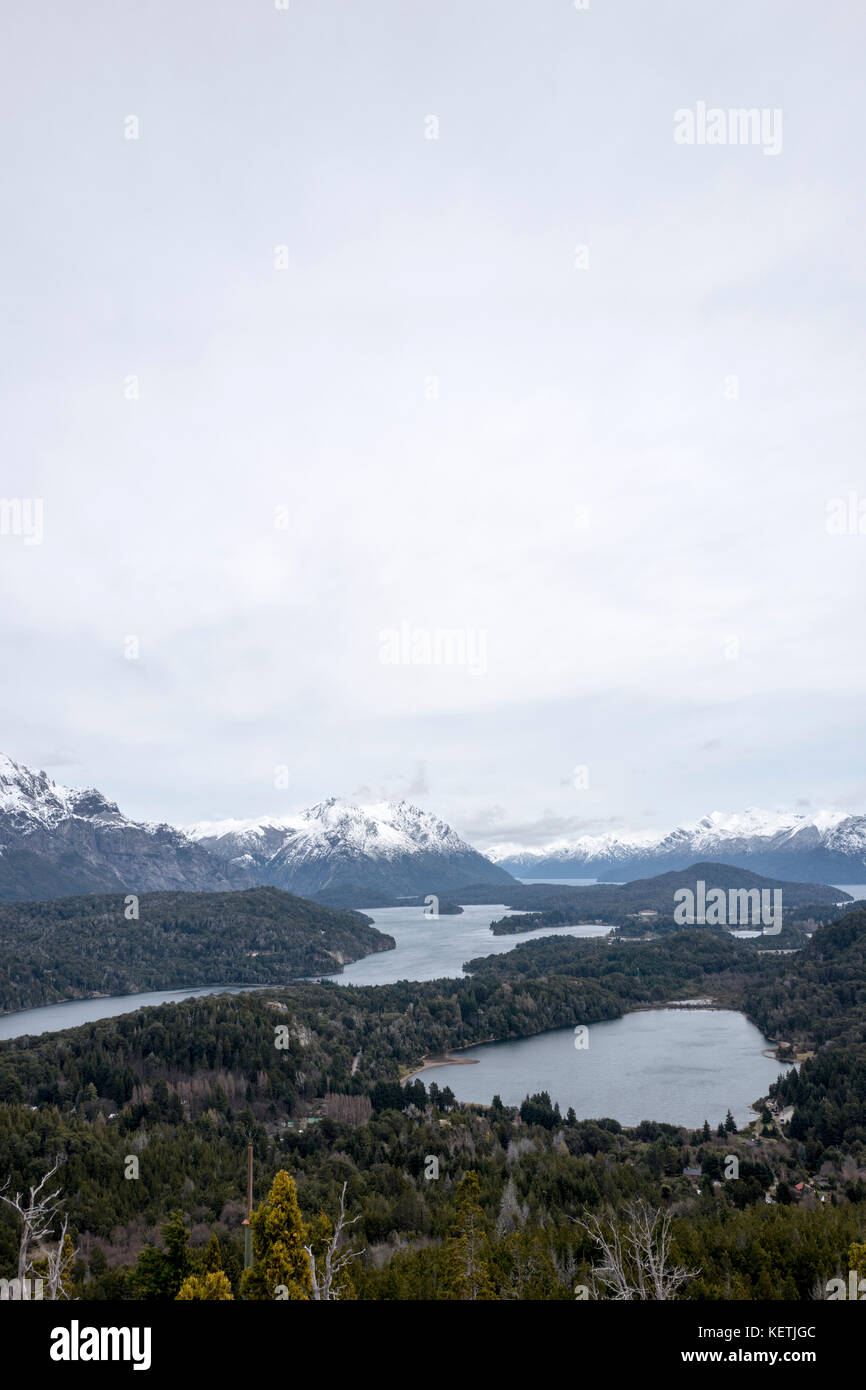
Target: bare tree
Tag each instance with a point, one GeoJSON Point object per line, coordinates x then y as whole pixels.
{"type": "Point", "coordinates": [59, 1262]}
{"type": "Point", "coordinates": [323, 1276]}
{"type": "Point", "coordinates": [635, 1254]}
{"type": "Point", "coordinates": [39, 1213]}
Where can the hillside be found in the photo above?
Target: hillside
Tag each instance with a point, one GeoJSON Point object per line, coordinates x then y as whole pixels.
{"type": "Point", "coordinates": [79, 948]}
{"type": "Point", "coordinates": [819, 995]}
{"type": "Point", "coordinates": [556, 904]}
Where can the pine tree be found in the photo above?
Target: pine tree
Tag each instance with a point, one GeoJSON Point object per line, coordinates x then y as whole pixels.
{"type": "Point", "coordinates": [280, 1264]}
{"type": "Point", "coordinates": [466, 1252]}
{"type": "Point", "coordinates": [213, 1260]}
{"type": "Point", "coordinates": [214, 1287]}
{"type": "Point", "coordinates": [159, 1274]}
{"type": "Point", "coordinates": [176, 1239]}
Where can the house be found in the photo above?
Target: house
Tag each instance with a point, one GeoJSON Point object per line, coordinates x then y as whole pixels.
{"type": "Point", "coordinates": [801, 1188]}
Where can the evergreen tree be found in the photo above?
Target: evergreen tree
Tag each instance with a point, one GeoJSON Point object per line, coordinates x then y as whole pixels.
{"type": "Point", "coordinates": [213, 1287]}
{"type": "Point", "coordinates": [160, 1273]}
{"type": "Point", "coordinates": [466, 1252]}
{"type": "Point", "coordinates": [212, 1257]}
{"type": "Point", "coordinates": [280, 1264]}
{"type": "Point", "coordinates": [176, 1239]}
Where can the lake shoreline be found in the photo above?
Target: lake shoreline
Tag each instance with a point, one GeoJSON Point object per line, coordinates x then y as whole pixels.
{"type": "Point", "coordinates": [443, 1059]}
{"type": "Point", "coordinates": [625, 1067]}
{"type": "Point", "coordinates": [197, 991]}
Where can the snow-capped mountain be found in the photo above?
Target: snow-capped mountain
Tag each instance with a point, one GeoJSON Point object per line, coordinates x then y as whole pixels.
{"type": "Point", "coordinates": [389, 847]}
{"type": "Point", "coordinates": [826, 847]}
{"type": "Point", "coordinates": [57, 840]}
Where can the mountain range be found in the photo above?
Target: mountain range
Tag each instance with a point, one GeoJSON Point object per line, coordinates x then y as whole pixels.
{"type": "Point", "coordinates": [826, 847]}
{"type": "Point", "coordinates": [389, 847]}
{"type": "Point", "coordinates": [57, 841]}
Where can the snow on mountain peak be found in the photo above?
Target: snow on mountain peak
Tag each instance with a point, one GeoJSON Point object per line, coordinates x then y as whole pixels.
{"type": "Point", "coordinates": [26, 795]}
{"type": "Point", "coordinates": [711, 831]}
{"type": "Point", "coordinates": [379, 829]}
{"type": "Point", "coordinates": [385, 846]}
{"type": "Point", "coordinates": [31, 800]}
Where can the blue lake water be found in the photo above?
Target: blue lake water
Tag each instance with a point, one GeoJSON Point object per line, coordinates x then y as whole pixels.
{"type": "Point", "coordinates": [682, 1066]}
{"type": "Point", "coordinates": [51, 1017]}
{"type": "Point", "coordinates": [678, 1065]}
{"type": "Point", "coordinates": [428, 948]}
{"type": "Point", "coordinates": [857, 890]}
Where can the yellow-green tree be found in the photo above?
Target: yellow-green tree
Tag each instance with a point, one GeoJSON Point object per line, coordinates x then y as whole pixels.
{"type": "Point", "coordinates": [213, 1287]}
{"type": "Point", "coordinates": [466, 1252]}
{"type": "Point", "coordinates": [281, 1268]}
{"type": "Point", "coordinates": [213, 1259]}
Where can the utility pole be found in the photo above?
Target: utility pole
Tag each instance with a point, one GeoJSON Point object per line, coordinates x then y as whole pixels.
{"type": "Point", "coordinates": [248, 1230]}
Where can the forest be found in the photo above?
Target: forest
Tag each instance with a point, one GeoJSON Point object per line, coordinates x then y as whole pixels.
{"type": "Point", "coordinates": [148, 1116]}
{"type": "Point", "coordinates": [107, 944]}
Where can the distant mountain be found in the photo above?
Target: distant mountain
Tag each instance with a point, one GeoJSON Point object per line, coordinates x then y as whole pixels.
{"type": "Point", "coordinates": [828, 847]}
{"type": "Point", "coordinates": [57, 840]}
{"type": "Point", "coordinates": [389, 848]}
{"type": "Point", "coordinates": [562, 904]}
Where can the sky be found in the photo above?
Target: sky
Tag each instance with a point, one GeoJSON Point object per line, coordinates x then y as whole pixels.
{"type": "Point", "coordinates": [394, 406]}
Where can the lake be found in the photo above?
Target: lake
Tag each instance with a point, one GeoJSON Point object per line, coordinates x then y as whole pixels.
{"type": "Point", "coordinates": [682, 1066]}
{"type": "Point", "coordinates": [49, 1018]}
{"type": "Point", "coordinates": [428, 948]}
{"type": "Point", "coordinates": [678, 1065]}
{"type": "Point", "coordinates": [857, 890]}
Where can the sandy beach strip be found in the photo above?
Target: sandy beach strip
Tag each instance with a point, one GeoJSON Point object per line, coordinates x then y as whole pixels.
{"type": "Point", "coordinates": [440, 1060]}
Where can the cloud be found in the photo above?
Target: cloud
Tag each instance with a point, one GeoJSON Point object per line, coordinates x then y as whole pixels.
{"type": "Point", "coordinates": [431, 416]}
{"type": "Point", "coordinates": [538, 832]}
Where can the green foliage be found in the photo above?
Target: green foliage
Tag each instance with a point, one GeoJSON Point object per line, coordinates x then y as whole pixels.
{"type": "Point", "coordinates": [818, 995]}
{"type": "Point", "coordinates": [159, 1274]}
{"type": "Point", "coordinates": [213, 1287]}
{"type": "Point", "coordinates": [188, 1085]}
{"type": "Point", "coordinates": [74, 948]}
{"type": "Point", "coordinates": [466, 1262]}
{"type": "Point", "coordinates": [281, 1268]}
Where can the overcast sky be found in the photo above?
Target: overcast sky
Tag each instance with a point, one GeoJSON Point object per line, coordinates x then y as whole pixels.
{"type": "Point", "coordinates": [606, 471]}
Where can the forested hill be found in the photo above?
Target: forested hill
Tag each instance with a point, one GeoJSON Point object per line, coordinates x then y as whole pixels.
{"type": "Point", "coordinates": [817, 999]}
{"type": "Point", "coordinates": [818, 995]}
{"type": "Point", "coordinates": [310, 1074]}
{"type": "Point", "coordinates": [612, 902]}
{"type": "Point", "coordinates": [82, 947]}
{"type": "Point", "coordinates": [345, 1037]}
